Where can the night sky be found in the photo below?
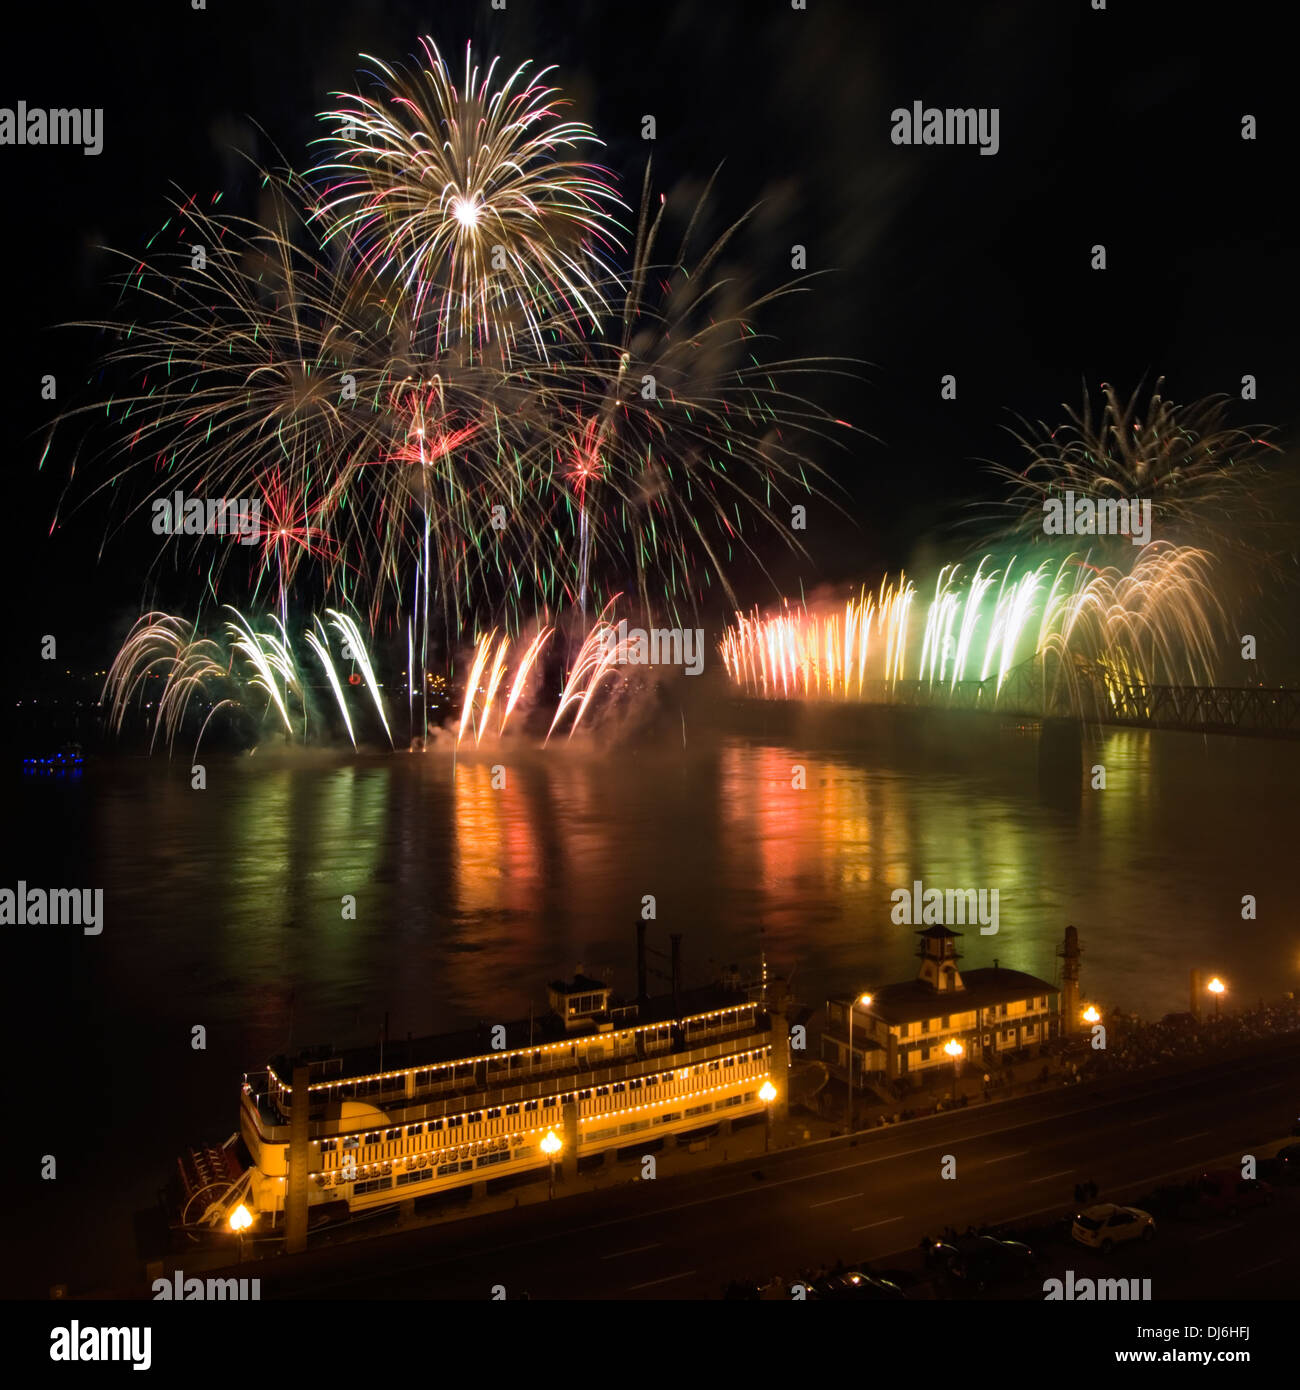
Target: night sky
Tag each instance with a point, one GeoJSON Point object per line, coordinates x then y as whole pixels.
{"type": "Point", "coordinates": [1120, 127]}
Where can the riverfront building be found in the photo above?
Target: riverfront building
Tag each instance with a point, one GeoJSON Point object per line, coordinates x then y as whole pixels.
{"type": "Point", "coordinates": [905, 1027]}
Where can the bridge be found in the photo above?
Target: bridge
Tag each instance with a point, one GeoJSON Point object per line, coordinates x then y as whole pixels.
{"type": "Point", "coordinates": [1098, 696]}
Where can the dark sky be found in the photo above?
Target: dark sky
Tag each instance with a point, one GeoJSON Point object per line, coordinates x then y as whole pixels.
{"type": "Point", "coordinates": [1120, 127]}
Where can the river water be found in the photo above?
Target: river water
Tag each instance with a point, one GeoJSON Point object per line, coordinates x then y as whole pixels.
{"type": "Point", "coordinates": [224, 908]}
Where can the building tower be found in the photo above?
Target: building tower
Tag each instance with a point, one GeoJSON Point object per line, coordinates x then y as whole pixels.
{"type": "Point", "coordinates": [1069, 953]}
{"type": "Point", "coordinates": [939, 955]}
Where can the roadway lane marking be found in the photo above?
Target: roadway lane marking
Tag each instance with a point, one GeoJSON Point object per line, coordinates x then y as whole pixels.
{"type": "Point", "coordinates": [871, 1226]}
{"type": "Point", "coordinates": [1188, 1137]}
{"type": "Point", "coordinates": [1003, 1158]}
{"type": "Point", "coordinates": [667, 1280]}
{"type": "Point", "coordinates": [1064, 1173]}
{"type": "Point", "coordinates": [618, 1254]}
{"type": "Point", "coordinates": [830, 1202]}
{"type": "Point", "coordinates": [1213, 1235]}
{"type": "Point", "coordinates": [1268, 1264]}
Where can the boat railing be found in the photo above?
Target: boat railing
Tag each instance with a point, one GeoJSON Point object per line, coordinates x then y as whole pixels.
{"type": "Point", "coordinates": [403, 1109]}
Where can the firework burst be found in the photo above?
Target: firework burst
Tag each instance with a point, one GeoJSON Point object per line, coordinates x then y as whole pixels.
{"type": "Point", "coordinates": [473, 196]}
{"type": "Point", "coordinates": [1210, 485]}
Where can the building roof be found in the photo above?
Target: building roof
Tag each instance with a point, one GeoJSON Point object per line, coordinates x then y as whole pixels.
{"type": "Point", "coordinates": [337, 1064]}
{"type": "Point", "coordinates": [580, 984]}
{"type": "Point", "coordinates": [914, 999]}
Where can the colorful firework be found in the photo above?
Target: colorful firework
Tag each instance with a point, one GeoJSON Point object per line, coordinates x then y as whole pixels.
{"type": "Point", "coordinates": [330, 359]}
{"type": "Point", "coordinates": [1159, 622]}
{"type": "Point", "coordinates": [1209, 484]}
{"type": "Point", "coordinates": [472, 196]}
{"type": "Point", "coordinates": [254, 666]}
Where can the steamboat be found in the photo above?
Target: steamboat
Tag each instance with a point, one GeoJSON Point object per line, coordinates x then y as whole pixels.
{"type": "Point", "coordinates": [336, 1134]}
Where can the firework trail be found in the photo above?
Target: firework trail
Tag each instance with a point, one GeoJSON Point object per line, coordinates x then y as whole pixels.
{"type": "Point", "coordinates": [600, 652]}
{"type": "Point", "coordinates": [163, 647]}
{"type": "Point", "coordinates": [1159, 622]}
{"type": "Point", "coordinates": [320, 645]}
{"type": "Point", "coordinates": [675, 434]}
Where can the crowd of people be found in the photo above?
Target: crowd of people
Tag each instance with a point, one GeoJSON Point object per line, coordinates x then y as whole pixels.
{"type": "Point", "coordinates": [1131, 1044]}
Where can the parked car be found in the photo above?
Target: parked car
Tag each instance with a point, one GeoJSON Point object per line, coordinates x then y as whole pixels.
{"type": "Point", "coordinates": [855, 1284]}
{"type": "Point", "coordinates": [1106, 1226]}
{"type": "Point", "coordinates": [986, 1262]}
{"type": "Point", "coordinates": [902, 1279]}
{"type": "Point", "coordinates": [1225, 1192]}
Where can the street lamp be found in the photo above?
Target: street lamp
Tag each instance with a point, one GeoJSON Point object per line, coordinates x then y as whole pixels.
{"type": "Point", "coordinates": [1216, 988]}
{"type": "Point", "coordinates": [865, 1001]}
{"type": "Point", "coordinates": [240, 1220]}
{"type": "Point", "coordinates": [1090, 1014]}
{"type": "Point", "coordinates": [767, 1094]}
{"type": "Point", "coordinates": [955, 1050]}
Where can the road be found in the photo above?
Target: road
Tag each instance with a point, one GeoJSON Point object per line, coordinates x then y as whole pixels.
{"type": "Point", "coordinates": [865, 1201]}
